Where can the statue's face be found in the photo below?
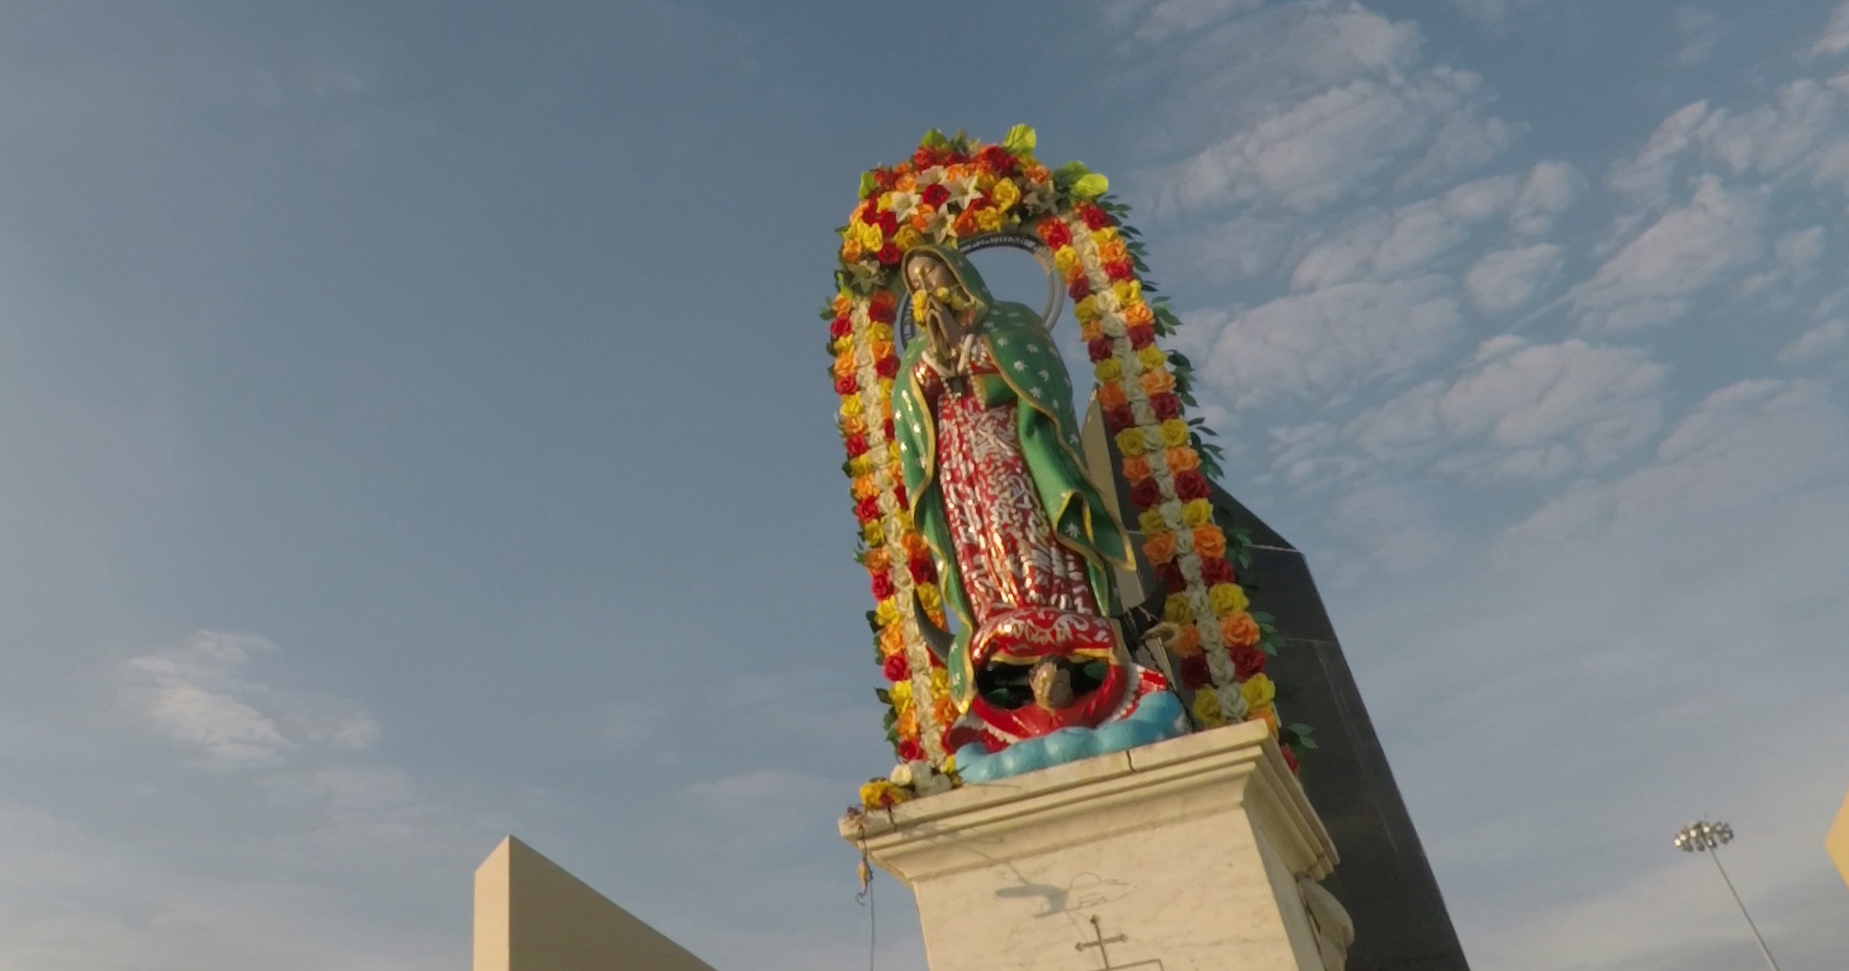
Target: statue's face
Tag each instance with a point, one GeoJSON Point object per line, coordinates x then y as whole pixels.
{"type": "Point", "coordinates": [928, 273]}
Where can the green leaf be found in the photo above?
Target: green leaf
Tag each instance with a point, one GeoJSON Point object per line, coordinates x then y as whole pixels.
{"type": "Point", "coordinates": [1090, 186]}
{"type": "Point", "coordinates": [873, 621]}
{"type": "Point", "coordinates": [867, 184]}
{"type": "Point", "coordinates": [934, 139]}
{"type": "Point", "coordinates": [1020, 140]}
{"type": "Point", "coordinates": [883, 695]}
{"type": "Point", "coordinates": [892, 717]}
{"type": "Point", "coordinates": [1069, 173]}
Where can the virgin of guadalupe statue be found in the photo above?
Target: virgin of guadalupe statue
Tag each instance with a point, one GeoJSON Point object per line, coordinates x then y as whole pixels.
{"type": "Point", "coordinates": [1023, 539]}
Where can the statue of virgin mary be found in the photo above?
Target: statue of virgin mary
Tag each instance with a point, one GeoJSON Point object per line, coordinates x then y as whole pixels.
{"type": "Point", "coordinates": [998, 487]}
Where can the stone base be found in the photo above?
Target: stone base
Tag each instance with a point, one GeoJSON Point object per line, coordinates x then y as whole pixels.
{"type": "Point", "coordinates": [1194, 854]}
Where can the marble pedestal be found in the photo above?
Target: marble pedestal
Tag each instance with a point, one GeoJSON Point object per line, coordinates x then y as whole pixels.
{"type": "Point", "coordinates": [1195, 854]}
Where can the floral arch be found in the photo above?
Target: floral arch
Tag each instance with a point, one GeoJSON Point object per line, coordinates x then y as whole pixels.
{"type": "Point", "coordinates": [958, 192]}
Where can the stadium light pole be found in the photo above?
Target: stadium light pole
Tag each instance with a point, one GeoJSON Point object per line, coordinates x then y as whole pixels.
{"type": "Point", "coordinates": [1702, 836]}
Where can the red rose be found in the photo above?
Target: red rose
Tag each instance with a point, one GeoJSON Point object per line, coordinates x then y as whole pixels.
{"type": "Point", "coordinates": [1170, 575]}
{"type": "Point", "coordinates": [870, 211]}
{"type": "Point", "coordinates": [887, 367]}
{"type": "Point", "coordinates": [935, 195]}
{"type": "Point", "coordinates": [1166, 406]}
{"type": "Point", "coordinates": [923, 570]}
{"type": "Point", "coordinates": [1194, 673]}
{"type": "Point", "coordinates": [997, 160]}
{"type": "Point", "coordinates": [895, 668]}
{"type": "Point", "coordinates": [1079, 288]}
{"type": "Point", "coordinates": [882, 306]}
{"type": "Point", "coordinates": [1095, 218]}
{"type": "Point", "coordinates": [1119, 418]}
{"type": "Point", "coordinates": [889, 223]}
{"type": "Point", "coordinates": [840, 327]}
{"type": "Point", "coordinates": [1146, 494]}
{"type": "Point", "coordinates": [1248, 661]}
{"type": "Point", "coordinates": [1099, 349]}
{"type": "Point", "coordinates": [1216, 570]}
{"type": "Point", "coordinates": [889, 254]}
{"type": "Point", "coordinates": [887, 427]}
{"type": "Point", "coordinates": [847, 385]}
{"type": "Point", "coordinates": [1290, 759]}
{"type": "Point", "coordinates": [910, 751]}
{"type": "Point", "coordinates": [1141, 336]}
{"type": "Point", "coordinates": [1191, 485]}
{"type": "Point", "coordinates": [1054, 232]}
{"type": "Point", "coordinates": [1120, 269]}
{"type": "Point", "coordinates": [882, 586]}
{"type": "Point", "coordinates": [898, 492]}
{"type": "Point", "coordinates": [867, 510]}
{"type": "Point", "coordinates": [856, 446]}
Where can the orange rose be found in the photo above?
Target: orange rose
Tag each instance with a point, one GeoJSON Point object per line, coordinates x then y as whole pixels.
{"type": "Point", "coordinates": [1111, 395]}
{"type": "Point", "coordinates": [921, 217]}
{"type": "Point", "coordinates": [945, 710]}
{"type": "Point", "coordinates": [1189, 643]}
{"type": "Point", "coordinates": [956, 171]}
{"type": "Point", "coordinates": [908, 723]}
{"type": "Point", "coordinates": [1157, 382]}
{"type": "Point", "coordinates": [844, 366]}
{"type": "Point", "coordinates": [1160, 548]}
{"type": "Point", "coordinates": [1090, 330]}
{"type": "Point", "coordinates": [1137, 314]}
{"type": "Point", "coordinates": [853, 425]}
{"type": "Point", "coordinates": [892, 640]}
{"type": "Point", "coordinates": [1209, 542]}
{"type": "Point", "coordinates": [906, 183]}
{"type": "Point", "coordinates": [1240, 630]}
{"type": "Point", "coordinates": [1136, 469]}
{"type": "Point", "coordinates": [851, 251]}
{"type": "Point", "coordinates": [864, 487]}
{"type": "Point", "coordinates": [1039, 173]}
{"type": "Point", "coordinates": [882, 350]}
{"type": "Point", "coordinates": [914, 544]}
{"type": "Point", "coordinates": [843, 304]}
{"type": "Point", "coordinates": [1182, 459]}
{"type": "Point", "coordinates": [875, 560]}
{"type": "Point", "coordinates": [966, 224]}
{"type": "Point", "coordinates": [1112, 251]}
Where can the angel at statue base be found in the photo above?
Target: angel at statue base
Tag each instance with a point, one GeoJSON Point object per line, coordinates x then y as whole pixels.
{"type": "Point", "coordinates": [1022, 538]}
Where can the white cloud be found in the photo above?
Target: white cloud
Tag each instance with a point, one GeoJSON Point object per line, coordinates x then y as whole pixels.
{"type": "Point", "coordinates": [1177, 16]}
{"type": "Point", "coordinates": [1355, 105]}
{"type": "Point", "coordinates": [1701, 32]}
{"type": "Point", "coordinates": [1523, 411]}
{"type": "Point", "coordinates": [1749, 442]}
{"type": "Point", "coordinates": [1651, 280]}
{"type": "Point", "coordinates": [194, 695]}
{"type": "Point", "coordinates": [1824, 340]}
{"type": "Point", "coordinates": [1549, 189]}
{"type": "Point", "coordinates": [1320, 344]}
{"type": "Point", "coordinates": [1645, 177]}
{"type": "Point", "coordinates": [1835, 38]}
{"type": "Point", "coordinates": [1506, 279]}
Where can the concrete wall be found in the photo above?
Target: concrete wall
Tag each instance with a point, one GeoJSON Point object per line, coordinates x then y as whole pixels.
{"type": "Point", "coordinates": [531, 915]}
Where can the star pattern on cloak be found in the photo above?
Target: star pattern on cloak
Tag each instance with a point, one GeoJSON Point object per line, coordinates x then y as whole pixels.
{"type": "Point", "coordinates": [1045, 375]}
{"type": "Point", "coordinates": [1072, 530]}
{"type": "Point", "coordinates": [1020, 365]}
{"type": "Point", "coordinates": [1036, 392]}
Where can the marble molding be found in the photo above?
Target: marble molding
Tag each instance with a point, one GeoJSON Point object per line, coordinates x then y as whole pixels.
{"type": "Point", "coordinates": [1199, 853]}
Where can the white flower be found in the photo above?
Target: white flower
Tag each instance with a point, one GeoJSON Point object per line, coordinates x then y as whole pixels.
{"type": "Point", "coordinates": [963, 191]}
{"type": "Point", "coordinates": [930, 176]}
{"type": "Point", "coordinates": [902, 203]}
{"type": "Point", "coordinates": [901, 775]}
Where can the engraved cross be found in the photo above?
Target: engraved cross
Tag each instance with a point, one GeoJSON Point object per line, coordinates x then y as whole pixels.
{"type": "Point", "coordinates": [1097, 931]}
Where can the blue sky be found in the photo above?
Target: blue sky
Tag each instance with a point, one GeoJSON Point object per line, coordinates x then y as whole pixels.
{"type": "Point", "coordinates": [416, 430]}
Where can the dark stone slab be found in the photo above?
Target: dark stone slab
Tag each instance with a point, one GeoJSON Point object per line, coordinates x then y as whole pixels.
{"type": "Point", "coordinates": [1384, 879]}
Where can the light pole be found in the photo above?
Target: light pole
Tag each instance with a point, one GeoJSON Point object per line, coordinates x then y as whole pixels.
{"type": "Point", "coordinates": [1702, 836]}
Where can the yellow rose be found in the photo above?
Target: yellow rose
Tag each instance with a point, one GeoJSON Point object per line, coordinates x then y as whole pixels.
{"type": "Point", "coordinates": [882, 794]}
{"type": "Point", "coordinates": [1151, 521]}
{"type": "Point", "coordinates": [907, 237]}
{"type": "Point", "coordinates": [988, 220]}
{"type": "Point", "coordinates": [1175, 609]}
{"type": "Point", "coordinates": [850, 406]}
{"type": "Point", "coordinates": [1130, 441]}
{"type": "Point", "coordinates": [859, 465]}
{"type": "Point", "coordinates": [1005, 195]}
{"type": "Point", "coordinates": [1198, 512]}
{"type": "Point", "coordinates": [871, 239]}
{"type": "Point", "coordinates": [1064, 260]}
{"type": "Point", "coordinates": [1086, 309]}
{"type": "Point", "coordinates": [1174, 433]}
{"type": "Point", "coordinates": [1258, 691]}
{"type": "Point", "coordinates": [1109, 369]}
{"type": "Point", "coordinates": [1103, 236]}
{"type": "Point", "coordinates": [872, 535]}
{"type": "Point", "coordinates": [929, 596]}
{"type": "Point", "coordinates": [901, 695]}
{"type": "Point", "coordinates": [887, 612]}
{"type": "Point", "coordinates": [1227, 599]}
{"type": "Point", "coordinates": [940, 682]}
{"type": "Point", "coordinates": [1206, 710]}
{"type": "Point", "coordinates": [1151, 357]}
{"type": "Point", "coordinates": [1127, 292]}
